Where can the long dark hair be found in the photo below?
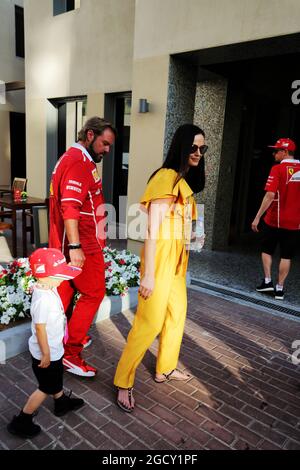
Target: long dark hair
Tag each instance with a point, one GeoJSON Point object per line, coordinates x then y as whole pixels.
{"type": "Point", "coordinates": [178, 156]}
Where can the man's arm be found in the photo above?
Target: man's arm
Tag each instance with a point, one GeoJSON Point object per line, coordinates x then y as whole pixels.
{"type": "Point", "coordinates": [266, 202]}
{"type": "Point", "coordinates": [74, 189]}
{"type": "Point", "coordinates": [76, 255]}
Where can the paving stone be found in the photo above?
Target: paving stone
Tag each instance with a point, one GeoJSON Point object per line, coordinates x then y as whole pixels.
{"type": "Point", "coordinates": [194, 432]}
{"type": "Point", "coordinates": [241, 432]}
{"type": "Point", "coordinates": [240, 444]}
{"type": "Point", "coordinates": [83, 445]}
{"type": "Point", "coordinates": [118, 434]}
{"type": "Point", "coordinates": [90, 415]}
{"type": "Point", "coordinates": [174, 435]}
{"type": "Point", "coordinates": [27, 446]}
{"type": "Point", "coordinates": [191, 416]}
{"type": "Point", "coordinates": [144, 416]}
{"type": "Point", "coordinates": [163, 445]}
{"type": "Point", "coordinates": [9, 441]}
{"type": "Point", "coordinates": [214, 444]}
{"type": "Point", "coordinates": [267, 445]}
{"type": "Point", "coordinates": [218, 432]}
{"type": "Point", "coordinates": [164, 414]}
{"type": "Point", "coordinates": [243, 393]}
{"type": "Point", "coordinates": [64, 436]}
{"type": "Point", "coordinates": [90, 434]}
{"type": "Point", "coordinates": [114, 413]}
{"type": "Point", "coordinates": [268, 432]}
{"type": "Point", "coordinates": [146, 435]}
{"type": "Point", "coordinates": [236, 415]}
{"type": "Point", "coordinates": [96, 400]}
{"type": "Point", "coordinates": [292, 445]}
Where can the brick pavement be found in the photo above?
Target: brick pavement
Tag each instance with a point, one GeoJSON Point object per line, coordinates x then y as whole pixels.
{"type": "Point", "coordinates": [244, 393]}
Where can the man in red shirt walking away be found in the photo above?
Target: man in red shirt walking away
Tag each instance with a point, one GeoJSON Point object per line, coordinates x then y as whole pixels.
{"type": "Point", "coordinates": [282, 220]}
{"type": "Point", "coordinates": [77, 229]}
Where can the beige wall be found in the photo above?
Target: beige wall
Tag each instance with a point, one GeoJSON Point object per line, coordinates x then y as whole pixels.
{"type": "Point", "coordinates": [95, 107]}
{"type": "Point", "coordinates": [170, 26]}
{"type": "Point", "coordinates": [118, 45]}
{"type": "Point", "coordinates": [36, 125]}
{"type": "Point", "coordinates": [87, 51]}
{"type": "Point", "coordinates": [14, 101]}
{"type": "Point", "coordinates": [4, 149]}
{"type": "Point", "coordinates": [164, 27]}
{"type": "Point", "coordinates": [150, 81]}
{"type": "Point", "coordinates": [11, 69]}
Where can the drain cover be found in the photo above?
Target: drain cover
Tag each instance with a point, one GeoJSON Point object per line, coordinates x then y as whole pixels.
{"type": "Point", "coordinates": [248, 298]}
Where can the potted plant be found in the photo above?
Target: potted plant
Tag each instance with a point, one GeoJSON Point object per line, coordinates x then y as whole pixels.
{"type": "Point", "coordinates": [16, 283]}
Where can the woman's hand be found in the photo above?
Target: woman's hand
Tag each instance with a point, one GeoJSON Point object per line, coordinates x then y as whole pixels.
{"type": "Point", "coordinates": [201, 240]}
{"type": "Point", "coordinates": [146, 286]}
{"type": "Point", "coordinates": [193, 236]}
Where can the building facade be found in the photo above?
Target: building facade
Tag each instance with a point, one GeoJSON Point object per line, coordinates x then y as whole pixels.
{"type": "Point", "coordinates": [230, 66]}
{"type": "Point", "coordinates": [12, 94]}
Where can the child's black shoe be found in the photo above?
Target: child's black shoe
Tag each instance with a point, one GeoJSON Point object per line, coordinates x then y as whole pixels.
{"type": "Point", "coordinates": [65, 403]}
{"type": "Point", "coordinates": [23, 426]}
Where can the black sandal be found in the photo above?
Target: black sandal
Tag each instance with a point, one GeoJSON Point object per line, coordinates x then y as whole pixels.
{"type": "Point", "coordinates": [130, 396]}
{"type": "Point", "coordinates": [169, 376]}
{"type": "Point", "coordinates": [166, 377]}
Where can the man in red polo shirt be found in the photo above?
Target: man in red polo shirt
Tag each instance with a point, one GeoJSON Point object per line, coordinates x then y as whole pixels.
{"type": "Point", "coordinates": [282, 220]}
{"type": "Point", "coordinates": [76, 211]}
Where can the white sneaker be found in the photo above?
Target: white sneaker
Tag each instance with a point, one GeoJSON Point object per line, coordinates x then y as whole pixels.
{"type": "Point", "coordinates": [87, 341]}
{"type": "Point", "coordinates": [77, 366]}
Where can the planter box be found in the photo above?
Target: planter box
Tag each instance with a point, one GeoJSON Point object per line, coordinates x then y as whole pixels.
{"type": "Point", "coordinates": [5, 254]}
{"type": "Point", "coordinates": [116, 304]}
{"type": "Point", "coordinates": [14, 341]}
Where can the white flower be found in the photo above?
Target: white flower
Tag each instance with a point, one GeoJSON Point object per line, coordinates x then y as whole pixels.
{"type": "Point", "coordinates": [11, 311]}
{"type": "Point", "coordinates": [15, 294]}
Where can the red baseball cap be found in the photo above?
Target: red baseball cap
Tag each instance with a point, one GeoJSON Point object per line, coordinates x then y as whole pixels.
{"type": "Point", "coordinates": [50, 262]}
{"type": "Point", "coordinates": [284, 144]}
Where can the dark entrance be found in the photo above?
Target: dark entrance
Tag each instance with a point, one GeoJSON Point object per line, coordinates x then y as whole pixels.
{"type": "Point", "coordinates": [259, 94]}
{"type": "Point", "coordinates": [116, 165]}
{"type": "Point", "coordinates": [65, 118]}
{"type": "Point", "coordinates": [268, 113]}
{"type": "Point", "coordinates": [17, 145]}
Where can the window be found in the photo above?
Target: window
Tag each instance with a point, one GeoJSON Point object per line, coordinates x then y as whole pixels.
{"type": "Point", "coordinates": [19, 31]}
{"type": "Point", "coordinates": [62, 6]}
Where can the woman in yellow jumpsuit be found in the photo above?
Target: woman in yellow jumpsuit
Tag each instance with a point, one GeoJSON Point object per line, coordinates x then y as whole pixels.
{"type": "Point", "coordinates": [162, 302]}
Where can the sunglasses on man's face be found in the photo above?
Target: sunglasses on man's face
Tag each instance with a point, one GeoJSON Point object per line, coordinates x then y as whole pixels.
{"type": "Point", "coordinates": [202, 149]}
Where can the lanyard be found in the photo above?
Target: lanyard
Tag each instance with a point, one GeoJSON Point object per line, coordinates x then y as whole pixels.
{"type": "Point", "coordinates": [66, 334]}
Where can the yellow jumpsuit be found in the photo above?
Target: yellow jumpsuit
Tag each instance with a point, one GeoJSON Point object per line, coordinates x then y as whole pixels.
{"type": "Point", "coordinates": [164, 312]}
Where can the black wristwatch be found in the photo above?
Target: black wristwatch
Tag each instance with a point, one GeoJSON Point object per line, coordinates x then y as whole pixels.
{"type": "Point", "coordinates": [74, 246]}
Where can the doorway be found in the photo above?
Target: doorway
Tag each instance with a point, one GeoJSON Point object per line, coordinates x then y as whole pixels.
{"type": "Point", "coordinates": [258, 75]}
{"type": "Point", "coordinates": [267, 114]}
{"type": "Point", "coordinates": [17, 145]}
{"type": "Point", "coordinates": [65, 117]}
{"type": "Point", "coordinates": [116, 165]}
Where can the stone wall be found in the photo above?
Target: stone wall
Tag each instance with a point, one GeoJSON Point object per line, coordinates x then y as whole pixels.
{"type": "Point", "coordinates": [209, 114]}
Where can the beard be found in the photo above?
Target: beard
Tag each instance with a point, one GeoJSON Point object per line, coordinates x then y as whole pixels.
{"type": "Point", "coordinates": [97, 157]}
